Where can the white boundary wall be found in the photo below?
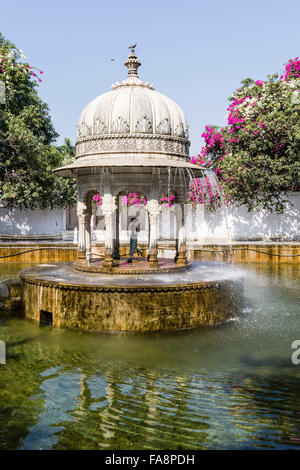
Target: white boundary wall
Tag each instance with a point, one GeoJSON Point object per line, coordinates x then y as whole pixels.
{"type": "Point", "coordinates": [245, 226]}
{"type": "Point", "coordinates": [263, 225]}
{"type": "Point", "coordinates": [32, 222]}
{"type": "Point", "coordinates": [241, 224]}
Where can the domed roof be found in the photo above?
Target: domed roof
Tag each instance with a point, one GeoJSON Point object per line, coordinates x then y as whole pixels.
{"type": "Point", "coordinates": [131, 119]}
{"type": "Point", "coordinates": [132, 109]}
{"type": "Point", "coordinates": [131, 126]}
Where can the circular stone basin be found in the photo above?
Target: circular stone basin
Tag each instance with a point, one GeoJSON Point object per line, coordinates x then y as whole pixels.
{"type": "Point", "coordinates": [203, 295]}
{"type": "Point", "coordinates": [138, 266]}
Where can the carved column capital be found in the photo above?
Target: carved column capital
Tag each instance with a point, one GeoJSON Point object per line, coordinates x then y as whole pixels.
{"type": "Point", "coordinates": [108, 204]}
{"type": "Point", "coordinates": [82, 217]}
{"type": "Point", "coordinates": [81, 208]}
{"type": "Point", "coordinates": [153, 207]}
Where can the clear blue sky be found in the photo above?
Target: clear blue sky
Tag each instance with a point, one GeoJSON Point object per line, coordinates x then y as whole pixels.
{"type": "Point", "coordinates": [194, 51]}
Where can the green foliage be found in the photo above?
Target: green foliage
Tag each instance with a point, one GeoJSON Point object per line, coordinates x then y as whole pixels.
{"type": "Point", "coordinates": [27, 152]}
{"type": "Point", "coordinates": [256, 156]}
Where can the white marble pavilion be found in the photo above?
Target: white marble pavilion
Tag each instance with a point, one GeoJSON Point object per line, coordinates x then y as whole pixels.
{"type": "Point", "coordinates": [131, 139]}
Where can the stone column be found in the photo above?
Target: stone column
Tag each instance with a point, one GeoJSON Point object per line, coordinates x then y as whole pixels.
{"type": "Point", "coordinates": [84, 230]}
{"type": "Point", "coordinates": [87, 233]}
{"type": "Point", "coordinates": [82, 216]}
{"type": "Point", "coordinates": [81, 237]}
{"type": "Point", "coordinates": [116, 250]}
{"type": "Point", "coordinates": [153, 209]}
{"type": "Point", "coordinates": [108, 208]}
{"type": "Point", "coordinates": [180, 257]}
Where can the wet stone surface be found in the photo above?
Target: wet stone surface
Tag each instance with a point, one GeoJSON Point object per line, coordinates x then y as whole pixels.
{"type": "Point", "coordinates": [133, 267]}
{"type": "Point", "coordinates": [65, 273]}
{"type": "Point", "coordinates": [202, 295]}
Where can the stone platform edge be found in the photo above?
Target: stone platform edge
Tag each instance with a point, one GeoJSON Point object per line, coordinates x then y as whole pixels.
{"type": "Point", "coordinates": [242, 252]}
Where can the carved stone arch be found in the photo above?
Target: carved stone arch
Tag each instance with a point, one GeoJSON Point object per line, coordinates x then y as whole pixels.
{"type": "Point", "coordinates": [176, 194]}
{"type": "Point", "coordinates": [134, 188]}
{"type": "Point", "coordinates": [87, 198]}
{"type": "Point", "coordinates": [169, 182]}
{"type": "Point", "coordinates": [122, 217]}
{"type": "Point", "coordinates": [124, 214]}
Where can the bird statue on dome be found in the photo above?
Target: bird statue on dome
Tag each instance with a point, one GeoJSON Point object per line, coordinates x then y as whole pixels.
{"type": "Point", "coordinates": [132, 47]}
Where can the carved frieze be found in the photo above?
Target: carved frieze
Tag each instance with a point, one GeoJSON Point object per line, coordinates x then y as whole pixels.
{"type": "Point", "coordinates": [132, 144]}
{"type": "Point", "coordinates": [121, 126]}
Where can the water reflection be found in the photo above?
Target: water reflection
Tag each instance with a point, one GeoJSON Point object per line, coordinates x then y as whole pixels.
{"type": "Point", "coordinates": [112, 405]}
{"type": "Point", "coordinates": [231, 386]}
{"type": "Point", "coordinates": [151, 410]}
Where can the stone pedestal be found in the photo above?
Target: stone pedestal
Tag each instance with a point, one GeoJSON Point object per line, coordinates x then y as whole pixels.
{"type": "Point", "coordinates": [108, 260]}
{"type": "Point", "coordinates": [109, 304]}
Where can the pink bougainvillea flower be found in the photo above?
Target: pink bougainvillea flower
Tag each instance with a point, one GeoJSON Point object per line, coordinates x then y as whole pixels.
{"type": "Point", "coordinates": [97, 199]}
{"type": "Point", "coordinates": [134, 199]}
{"type": "Point", "coordinates": [166, 200]}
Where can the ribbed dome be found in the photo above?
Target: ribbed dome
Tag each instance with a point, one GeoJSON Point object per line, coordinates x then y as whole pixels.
{"type": "Point", "coordinates": [133, 118]}
{"type": "Point", "coordinates": [132, 109]}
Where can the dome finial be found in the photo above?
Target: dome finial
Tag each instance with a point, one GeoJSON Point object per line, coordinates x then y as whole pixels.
{"type": "Point", "coordinates": [132, 63]}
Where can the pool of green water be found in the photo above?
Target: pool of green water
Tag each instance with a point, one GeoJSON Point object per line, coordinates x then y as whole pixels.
{"type": "Point", "coordinates": [231, 386]}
